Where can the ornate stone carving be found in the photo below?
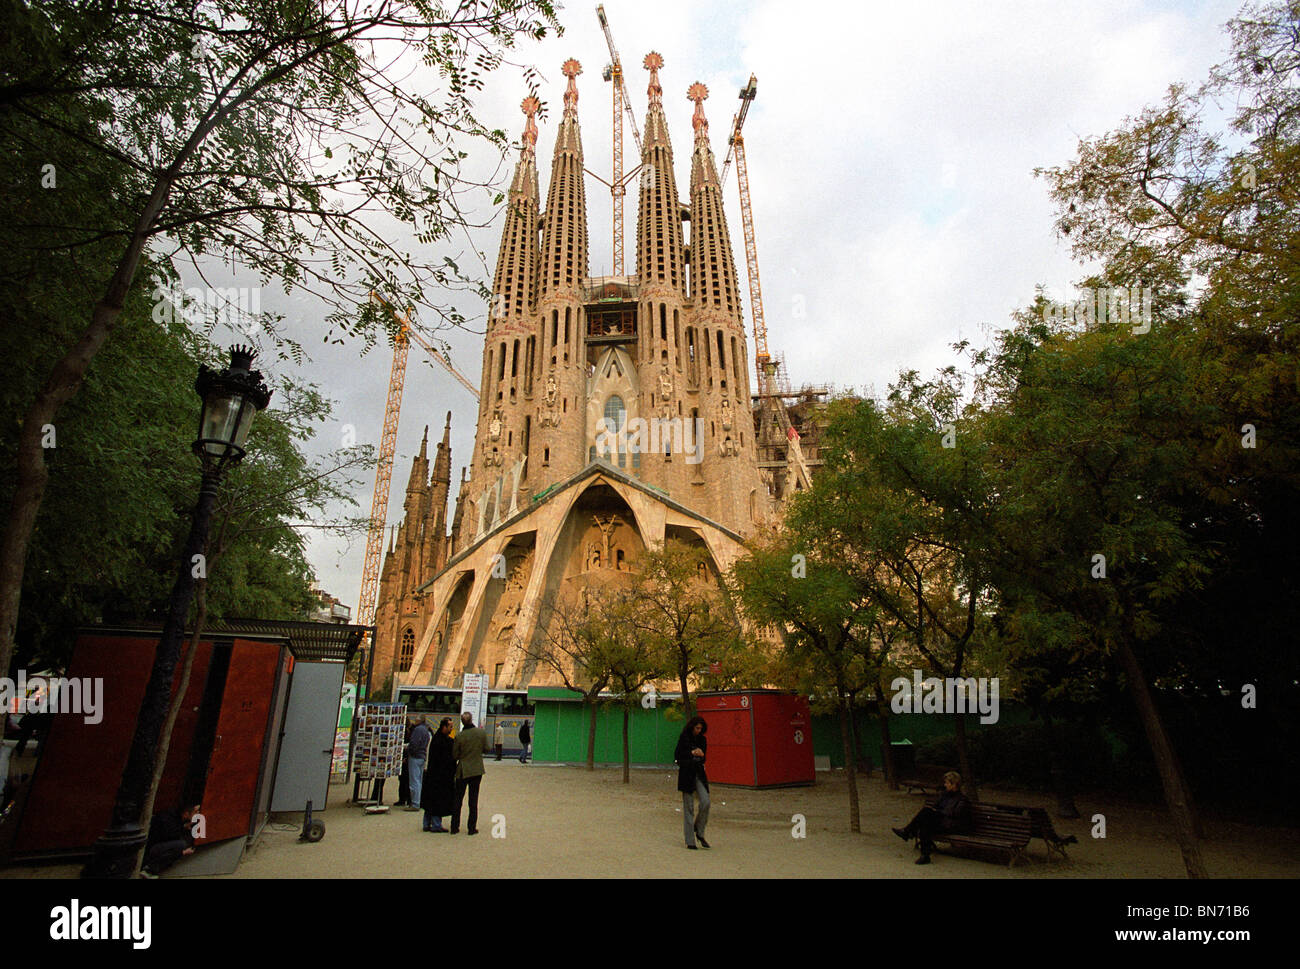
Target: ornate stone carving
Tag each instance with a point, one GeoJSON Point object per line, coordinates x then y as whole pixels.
{"type": "Point", "coordinates": [548, 415]}
{"type": "Point", "coordinates": [665, 392]}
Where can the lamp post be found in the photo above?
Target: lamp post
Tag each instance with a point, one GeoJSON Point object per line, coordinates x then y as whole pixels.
{"type": "Point", "coordinates": [230, 399]}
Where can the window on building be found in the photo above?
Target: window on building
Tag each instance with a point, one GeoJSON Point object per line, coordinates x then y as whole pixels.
{"type": "Point", "coordinates": [407, 656]}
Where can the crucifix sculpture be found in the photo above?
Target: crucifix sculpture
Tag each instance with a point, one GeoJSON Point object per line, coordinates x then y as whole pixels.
{"type": "Point", "coordinates": [607, 533]}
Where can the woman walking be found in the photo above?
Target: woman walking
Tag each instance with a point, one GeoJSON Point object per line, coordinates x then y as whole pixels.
{"type": "Point", "coordinates": [439, 779]}
{"type": "Point", "coordinates": [692, 780]}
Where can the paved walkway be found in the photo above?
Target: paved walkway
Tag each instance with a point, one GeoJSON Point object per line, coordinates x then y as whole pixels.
{"type": "Point", "coordinates": [566, 821]}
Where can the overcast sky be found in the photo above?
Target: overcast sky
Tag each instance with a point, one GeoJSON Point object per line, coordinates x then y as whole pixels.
{"type": "Point", "coordinates": [891, 152]}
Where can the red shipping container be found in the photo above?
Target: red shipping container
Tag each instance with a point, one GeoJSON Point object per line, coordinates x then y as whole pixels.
{"type": "Point", "coordinates": [758, 738]}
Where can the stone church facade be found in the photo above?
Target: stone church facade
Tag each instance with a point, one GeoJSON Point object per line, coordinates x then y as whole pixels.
{"type": "Point", "coordinates": [614, 413]}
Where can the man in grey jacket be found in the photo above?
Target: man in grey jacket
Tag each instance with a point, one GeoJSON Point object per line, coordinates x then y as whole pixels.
{"type": "Point", "coordinates": [468, 750]}
{"type": "Point", "coordinates": [416, 751]}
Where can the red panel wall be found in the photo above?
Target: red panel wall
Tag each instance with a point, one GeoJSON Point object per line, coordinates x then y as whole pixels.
{"type": "Point", "coordinates": [731, 746]}
{"type": "Point", "coordinates": [758, 738]}
{"type": "Point", "coordinates": [783, 739]}
{"type": "Point", "coordinates": [76, 779]}
{"type": "Point", "coordinates": [241, 736]}
{"type": "Point", "coordinates": [71, 799]}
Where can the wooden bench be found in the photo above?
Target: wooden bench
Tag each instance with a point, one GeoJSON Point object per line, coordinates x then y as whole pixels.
{"type": "Point", "coordinates": [1003, 832]}
{"type": "Point", "coordinates": [924, 779]}
{"type": "Point", "coordinates": [1040, 826]}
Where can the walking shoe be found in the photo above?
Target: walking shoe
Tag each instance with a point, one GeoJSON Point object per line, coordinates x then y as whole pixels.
{"type": "Point", "coordinates": [923, 860]}
{"type": "Point", "coordinates": [901, 833]}
{"type": "Point", "coordinates": [692, 847]}
{"type": "Point", "coordinates": [700, 838]}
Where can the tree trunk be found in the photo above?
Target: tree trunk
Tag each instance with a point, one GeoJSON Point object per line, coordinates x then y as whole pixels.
{"type": "Point", "coordinates": [886, 751]}
{"type": "Point", "coordinates": [1166, 764]}
{"type": "Point", "coordinates": [970, 788]}
{"type": "Point", "coordinates": [1065, 806]}
{"type": "Point", "coordinates": [855, 734]}
{"type": "Point", "coordinates": [591, 735]}
{"type": "Point", "coordinates": [178, 700]}
{"type": "Point", "coordinates": [683, 671]}
{"type": "Point", "coordinates": [627, 755]}
{"type": "Point", "coordinates": [64, 381]}
{"type": "Point", "coordinates": [855, 823]}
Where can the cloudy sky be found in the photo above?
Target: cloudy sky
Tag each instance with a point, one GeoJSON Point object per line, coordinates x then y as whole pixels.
{"type": "Point", "coordinates": [891, 153]}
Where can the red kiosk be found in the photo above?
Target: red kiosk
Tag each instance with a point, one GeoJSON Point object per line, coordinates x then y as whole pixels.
{"type": "Point", "coordinates": [758, 738]}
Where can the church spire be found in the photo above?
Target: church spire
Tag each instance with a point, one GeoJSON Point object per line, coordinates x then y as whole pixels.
{"type": "Point", "coordinates": [659, 254]}
{"type": "Point", "coordinates": [713, 267]}
{"type": "Point", "coordinates": [513, 288]}
{"type": "Point", "coordinates": [564, 260]}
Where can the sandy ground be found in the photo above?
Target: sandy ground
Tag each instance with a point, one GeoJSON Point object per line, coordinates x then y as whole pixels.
{"type": "Point", "coordinates": [565, 821]}
{"type": "Point", "coordinates": [539, 821]}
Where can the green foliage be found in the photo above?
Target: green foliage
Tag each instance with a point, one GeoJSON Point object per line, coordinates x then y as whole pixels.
{"type": "Point", "coordinates": [274, 135]}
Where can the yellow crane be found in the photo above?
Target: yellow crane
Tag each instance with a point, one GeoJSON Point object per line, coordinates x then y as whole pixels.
{"type": "Point", "coordinates": [618, 185]}
{"type": "Point", "coordinates": [387, 450]}
{"type": "Point", "coordinates": [768, 390]}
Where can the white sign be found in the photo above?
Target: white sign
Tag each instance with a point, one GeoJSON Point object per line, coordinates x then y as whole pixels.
{"type": "Point", "coordinates": [474, 697]}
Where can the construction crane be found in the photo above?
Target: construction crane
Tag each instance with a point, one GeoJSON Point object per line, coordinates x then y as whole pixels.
{"type": "Point", "coordinates": [618, 185]}
{"type": "Point", "coordinates": [766, 366]}
{"type": "Point", "coordinates": [736, 147]}
{"type": "Point", "coordinates": [387, 449]}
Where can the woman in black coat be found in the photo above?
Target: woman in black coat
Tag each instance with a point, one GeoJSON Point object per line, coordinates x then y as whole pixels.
{"type": "Point", "coordinates": [437, 794]}
{"type": "Point", "coordinates": [692, 780]}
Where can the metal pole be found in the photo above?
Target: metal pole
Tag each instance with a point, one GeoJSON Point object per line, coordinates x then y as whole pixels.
{"type": "Point", "coordinates": [117, 852]}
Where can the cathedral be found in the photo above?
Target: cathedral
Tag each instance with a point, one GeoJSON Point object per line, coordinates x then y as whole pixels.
{"type": "Point", "coordinates": [614, 413]}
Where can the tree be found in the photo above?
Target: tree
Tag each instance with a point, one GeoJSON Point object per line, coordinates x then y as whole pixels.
{"type": "Point", "coordinates": [682, 609]}
{"type": "Point", "coordinates": [569, 643]}
{"type": "Point", "coordinates": [883, 505]}
{"type": "Point", "coordinates": [633, 657]}
{"type": "Point", "coordinates": [272, 134]}
{"type": "Point", "coordinates": [823, 617]}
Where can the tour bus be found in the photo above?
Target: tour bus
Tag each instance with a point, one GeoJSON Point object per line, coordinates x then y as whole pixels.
{"type": "Point", "coordinates": [508, 707]}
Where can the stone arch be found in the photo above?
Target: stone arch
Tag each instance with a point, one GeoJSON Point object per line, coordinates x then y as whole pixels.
{"type": "Point", "coordinates": [442, 633]}
{"type": "Point", "coordinates": [599, 524]}
{"type": "Point", "coordinates": [497, 613]}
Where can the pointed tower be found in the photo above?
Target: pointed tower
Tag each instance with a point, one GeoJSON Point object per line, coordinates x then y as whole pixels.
{"type": "Point", "coordinates": [555, 431]}
{"type": "Point", "coordinates": [435, 540]}
{"type": "Point", "coordinates": [723, 368]}
{"type": "Point", "coordinates": [501, 437]}
{"type": "Point", "coordinates": [411, 531]}
{"type": "Point", "coordinates": [659, 261]}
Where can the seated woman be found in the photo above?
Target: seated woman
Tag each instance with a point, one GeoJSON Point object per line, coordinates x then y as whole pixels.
{"type": "Point", "coordinates": [951, 813]}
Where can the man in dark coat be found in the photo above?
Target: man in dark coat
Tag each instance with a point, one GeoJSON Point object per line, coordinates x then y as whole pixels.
{"type": "Point", "coordinates": [468, 749]}
{"type": "Point", "coordinates": [437, 795]}
{"type": "Point", "coordinates": [692, 780]}
{"type": "Point", "coordinates": [525, 738]}
{"type": "Point", "coordinates": [951, 813]}
{"type": "Point", "coordinates": [404, 777]}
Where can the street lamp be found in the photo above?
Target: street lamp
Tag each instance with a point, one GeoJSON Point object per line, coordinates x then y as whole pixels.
{"type": "Point", "coordinates": [230, 399]}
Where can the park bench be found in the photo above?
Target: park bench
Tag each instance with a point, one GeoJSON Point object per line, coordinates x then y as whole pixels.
{"type": "Point", "coordinates": [924, 778]}
{"type": "Point", "coordinates": [1003, 832]}
{"type": "Point", "coordinates": [1040, 826]}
